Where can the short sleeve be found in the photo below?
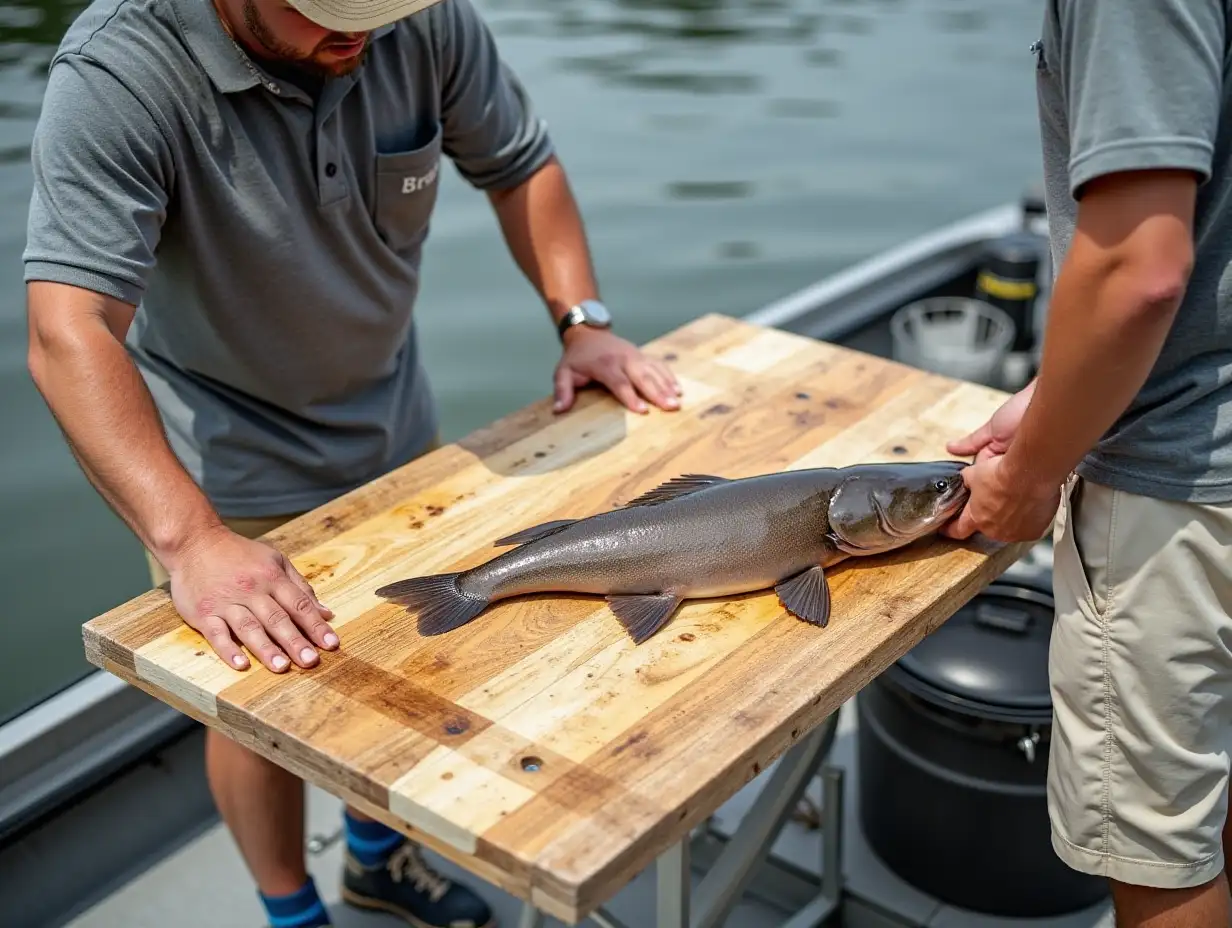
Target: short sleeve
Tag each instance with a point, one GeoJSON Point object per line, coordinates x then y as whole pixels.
{"type": "Point", "coordinates": [1143, 84]}
{"type": "Point", "coordinates": [490, 128]}
{"type": "Point", "coordinates": [102, 181]}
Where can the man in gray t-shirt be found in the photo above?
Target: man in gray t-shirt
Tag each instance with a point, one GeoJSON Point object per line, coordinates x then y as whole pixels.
{"type": "Point", "coordinates": [230, 202]}
{"type": "Point", "coordinates": [1128, 432]}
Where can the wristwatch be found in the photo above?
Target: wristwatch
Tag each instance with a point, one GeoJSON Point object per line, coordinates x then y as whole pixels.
{"type": "Point", "coordinates": [588, 312]}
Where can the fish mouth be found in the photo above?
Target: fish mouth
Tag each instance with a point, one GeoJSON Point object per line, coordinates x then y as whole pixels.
{"type": "Point", "coordinates": [956, 493]}
{"type": "Point", "coordinates": [951, 504]}
{"type": "Point", "coordinates": [956, 497]}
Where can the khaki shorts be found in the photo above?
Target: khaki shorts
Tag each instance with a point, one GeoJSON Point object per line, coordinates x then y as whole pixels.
{"type": "Point", "coordinates": [1141, 675]}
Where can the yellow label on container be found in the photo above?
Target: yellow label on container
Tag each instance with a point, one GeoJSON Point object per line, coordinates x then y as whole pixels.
{"type": "Point", "coordinates": [1006, 289]}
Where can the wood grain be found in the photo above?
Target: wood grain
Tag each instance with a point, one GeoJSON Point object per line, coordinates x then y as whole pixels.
{"type": "Point", "coordinates": [537, 746]}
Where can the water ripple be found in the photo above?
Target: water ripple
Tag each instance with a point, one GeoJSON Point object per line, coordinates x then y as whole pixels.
{"type": "Point", "coordinates": [709, 190]}
{"type": "Point", "coordinates": [30, 30]}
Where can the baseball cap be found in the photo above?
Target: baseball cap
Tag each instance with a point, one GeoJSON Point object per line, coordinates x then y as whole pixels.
{"type": "Point", "coordinates": [358, 15]}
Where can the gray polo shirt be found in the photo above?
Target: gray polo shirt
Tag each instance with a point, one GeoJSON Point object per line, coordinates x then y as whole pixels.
{"type": "Point", "coordinates": [1133, 84]}
{"type": "Point", "coordinates": [271, 240]}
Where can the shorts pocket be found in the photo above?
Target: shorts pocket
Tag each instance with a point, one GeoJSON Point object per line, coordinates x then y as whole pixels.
{"type": "Point", "coordinates": [406, 185]}
{"type": "Point", "coordinates": [1082, 549]}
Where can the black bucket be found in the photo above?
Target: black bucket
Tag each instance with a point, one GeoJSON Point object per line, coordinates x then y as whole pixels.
{"type": "Point", "coordinates": [953, 745]}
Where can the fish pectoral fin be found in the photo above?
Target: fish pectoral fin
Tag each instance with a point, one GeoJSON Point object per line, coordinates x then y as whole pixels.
{"type": "Point", "coordinates": [642, 616]}
{"type": "Point", "coordinates": [675, 488]}
{"type": "Point", "coordinates": [534, 533]}
{"type": "Point", "coordinates": [807, 596]}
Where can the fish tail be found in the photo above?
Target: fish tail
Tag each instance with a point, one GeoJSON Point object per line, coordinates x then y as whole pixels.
{"type": "Point", "coordinates": [440, 603]}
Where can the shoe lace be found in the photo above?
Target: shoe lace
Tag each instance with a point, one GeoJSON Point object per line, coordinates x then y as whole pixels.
{"type": "Point", "coordinates": [407, 863]}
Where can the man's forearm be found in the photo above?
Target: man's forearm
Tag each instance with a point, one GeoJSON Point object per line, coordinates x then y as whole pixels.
{"type": "Point", "coordinates": [1108, 320]}
{"type": "Point", "coordinates": [105, 411]}
{"type": "Point", "coordinates": [543, 230]}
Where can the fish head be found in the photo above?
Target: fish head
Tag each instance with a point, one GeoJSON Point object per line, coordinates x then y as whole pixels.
{"type": "Point", "coordinates": [885, 506]}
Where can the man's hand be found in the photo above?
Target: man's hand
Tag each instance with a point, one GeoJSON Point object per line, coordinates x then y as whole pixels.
{"type": "Point", "coordinates": [994, 436]}
{"type": "Point", "coordinates": [543, 228]}
{"type": "Point", "coordinates": [600, 355]}
{"type": "Point", "coordinates": [227, 585]}
{"type": "Point", "coordinates": [1001, 510]}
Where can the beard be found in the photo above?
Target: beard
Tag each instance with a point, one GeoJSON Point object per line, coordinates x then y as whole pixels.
{"type": "Point", "coordinates": [305, 61]}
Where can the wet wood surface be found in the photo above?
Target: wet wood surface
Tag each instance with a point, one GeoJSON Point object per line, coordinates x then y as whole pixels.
{"type": "Point", "coordinates": [538, 746]}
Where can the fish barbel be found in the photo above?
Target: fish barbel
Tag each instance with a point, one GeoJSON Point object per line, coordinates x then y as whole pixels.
{"type": "Point", "coordinates": [701, 536]}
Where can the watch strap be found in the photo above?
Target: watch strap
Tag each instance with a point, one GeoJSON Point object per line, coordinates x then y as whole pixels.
{"type": "Point", "coordinates": [573, 317]}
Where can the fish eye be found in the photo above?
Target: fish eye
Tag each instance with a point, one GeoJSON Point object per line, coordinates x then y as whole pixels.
{"type": "Point", "coordinates": [941, 486]}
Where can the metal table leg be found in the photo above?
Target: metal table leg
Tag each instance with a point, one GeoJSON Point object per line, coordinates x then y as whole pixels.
{"type": "Point", "coordinates": [744, 862]}
{"type": "Point", "coordinates": [726, 879]}
{"type": "Point", "coordinates": [605, 919]}
{"type": "Point", "coordinates": [675, 887]}
{"type": "Point", "coordinates": [531, 917]}
{"type": "Point", "coordinates": [826, 902]}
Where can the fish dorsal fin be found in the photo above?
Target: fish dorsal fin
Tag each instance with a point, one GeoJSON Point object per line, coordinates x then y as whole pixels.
{"type": "Point", "coordinates": [534, 533]}
{"type": "Point", "coordinates": [675, 488]}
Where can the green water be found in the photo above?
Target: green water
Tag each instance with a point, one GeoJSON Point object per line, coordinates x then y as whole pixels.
{"type": "Point", "coordinates": [724, 154]}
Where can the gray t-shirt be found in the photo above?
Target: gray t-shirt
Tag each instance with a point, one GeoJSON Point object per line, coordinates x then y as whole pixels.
{"type": "Point", "coordinates": [1134, 84]}
{"type": "Point", "coordinates": [271, 239]}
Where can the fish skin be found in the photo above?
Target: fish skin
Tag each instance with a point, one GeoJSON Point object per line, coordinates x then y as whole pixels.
{"type": "Point", "coordinates": [701, 536]}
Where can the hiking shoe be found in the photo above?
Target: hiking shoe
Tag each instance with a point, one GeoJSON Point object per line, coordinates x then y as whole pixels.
{"type": "Point", "coordinates": [404, 885]}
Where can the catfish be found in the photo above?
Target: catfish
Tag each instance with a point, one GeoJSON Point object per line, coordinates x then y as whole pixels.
{"type": "Point", "coordinates": [702, 536]}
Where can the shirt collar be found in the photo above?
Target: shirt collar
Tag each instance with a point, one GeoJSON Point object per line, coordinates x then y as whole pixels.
{"type": "Point", "coordinates": [223, 59]}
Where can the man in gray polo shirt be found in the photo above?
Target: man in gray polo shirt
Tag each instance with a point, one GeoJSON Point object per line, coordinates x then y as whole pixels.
{"type": "Point", "coordinates": [1127, 432]}
{"type": "Point", "coordinates": [230, 202]}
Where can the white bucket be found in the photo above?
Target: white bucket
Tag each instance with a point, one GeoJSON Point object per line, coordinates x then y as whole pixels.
{"type": "Point", "coordinates": [954, 336]}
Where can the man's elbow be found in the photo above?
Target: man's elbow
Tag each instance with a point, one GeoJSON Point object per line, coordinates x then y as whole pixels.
{"type": "Point", "coordinates": [1137, 282]}
{"type": "Point", "coordinates": [1162, 292]}
{"type": "Point", "coordinates": [1158, 277]}
{"type": "Point", "coordinates": [1135, 230]}
{"type": "Point", "coordinates": [41, 347]}
{"type": "Point", "coordinates": [36, 362]}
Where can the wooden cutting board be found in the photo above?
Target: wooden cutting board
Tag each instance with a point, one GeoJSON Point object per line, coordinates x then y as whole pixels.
{"type": "Point", "coordinates": [537, 746]}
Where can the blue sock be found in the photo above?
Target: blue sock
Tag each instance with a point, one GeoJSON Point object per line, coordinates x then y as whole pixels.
{"type": "Point", "coordinates": [370, 842]}
{"type": "Point", "coordinates": [302, 909]}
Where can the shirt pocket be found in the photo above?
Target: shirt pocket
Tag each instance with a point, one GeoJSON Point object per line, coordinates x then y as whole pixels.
{"type": "Point", "coordinates": [406, 185]}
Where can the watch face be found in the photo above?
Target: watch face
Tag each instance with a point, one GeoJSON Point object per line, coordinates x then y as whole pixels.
{"type": "Point", "coordinates": [595, 312]}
